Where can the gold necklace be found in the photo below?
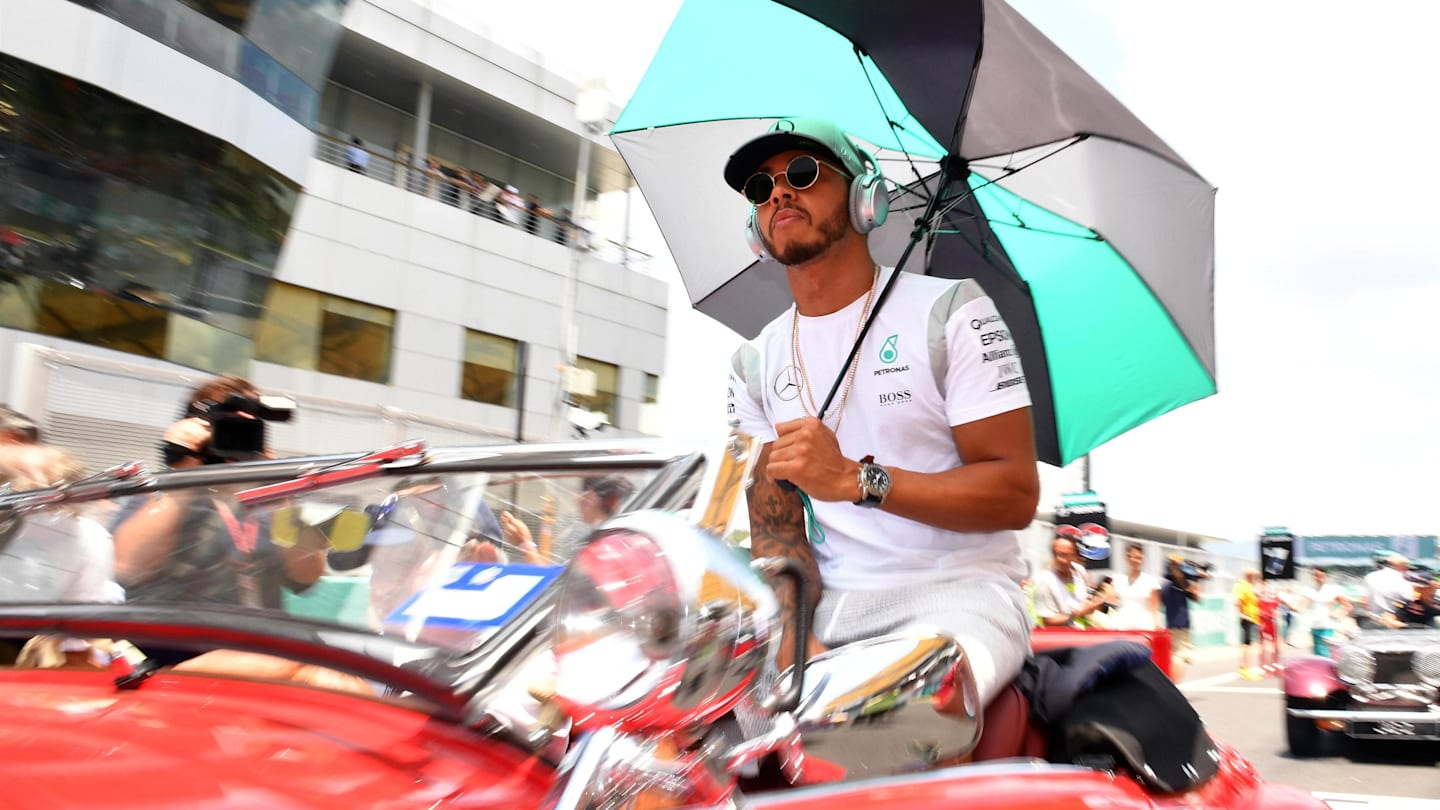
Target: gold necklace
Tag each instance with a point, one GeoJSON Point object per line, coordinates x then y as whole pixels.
{"type": "Point", "coordinates": [798, 359]}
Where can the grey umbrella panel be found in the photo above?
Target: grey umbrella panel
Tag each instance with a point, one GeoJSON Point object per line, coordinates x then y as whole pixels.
{"type": "Point", "coordinates": [1020, 116]}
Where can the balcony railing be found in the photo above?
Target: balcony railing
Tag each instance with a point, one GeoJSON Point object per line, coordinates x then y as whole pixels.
{"type": "Point", "coordinates": [455, 185]}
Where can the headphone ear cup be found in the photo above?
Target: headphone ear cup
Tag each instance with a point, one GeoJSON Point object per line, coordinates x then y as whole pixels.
{"type": "Point", "coordinates": [754, 240]}
{"type": "Point", "coordinates": [869, 202]}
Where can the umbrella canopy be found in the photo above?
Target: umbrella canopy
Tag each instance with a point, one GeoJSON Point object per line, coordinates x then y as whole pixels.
{"type": "Point", "coordinates": [1094, 238]}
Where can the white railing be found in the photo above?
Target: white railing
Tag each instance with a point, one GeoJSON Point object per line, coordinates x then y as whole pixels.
{"type": "Point", "coordinates": [453, 184]}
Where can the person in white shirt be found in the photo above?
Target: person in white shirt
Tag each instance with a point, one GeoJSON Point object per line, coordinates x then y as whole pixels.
{"type": "Point", "coordinates": [1137, 594]}
{"type": "Point", "coordinates": [1386, 587]}
{"type": "Point", "coordinates": [1325, 605]}
{"type": "Point", "coordinates": [356, 157]}
{"type": "Point", "coordinates": [1062, 592]}
{"type": "Point", "coordinates": [52, 555]}
{"type": "Point", "coordinates": [911, 485]}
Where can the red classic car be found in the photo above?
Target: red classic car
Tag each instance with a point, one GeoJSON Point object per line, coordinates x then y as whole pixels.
{"type": "Point", "coordinates": [465, 638]}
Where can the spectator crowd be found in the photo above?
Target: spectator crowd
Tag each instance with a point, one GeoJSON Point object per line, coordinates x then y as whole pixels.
{"type": "Point", "coordinates": [470, 190]}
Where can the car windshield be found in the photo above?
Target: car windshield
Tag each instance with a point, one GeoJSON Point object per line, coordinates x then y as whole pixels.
{"type": "Point", "coordinates": [440, 554]}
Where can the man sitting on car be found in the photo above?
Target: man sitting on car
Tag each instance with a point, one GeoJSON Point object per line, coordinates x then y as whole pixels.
{"type": "Point", "coordinates": [1422, 610]}
{"type": "Point", "coordinates": [1388, 586]}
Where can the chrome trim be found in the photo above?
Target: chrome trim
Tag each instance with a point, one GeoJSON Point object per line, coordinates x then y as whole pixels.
{"type": "Point", "coordinates": [634, 454]}
{"type": "Point", "coordinates": [607, 770]}
{"type": "Point", "coordinates": [1385, 692]}
{"type": "Point", "coordinates": [870, 706]}
{"type": "Point", "coordinates": [957, 773]}
{"type": "Point", "coordinates": [1426, 713]}
{"type": "Point", "coordinates": [118, 480]}
{"type": "Point", "coordinates": [728, 627]}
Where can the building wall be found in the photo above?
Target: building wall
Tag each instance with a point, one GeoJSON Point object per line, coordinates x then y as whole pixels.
{"type": "Point", "coordinates": [69, 39]}
{"type": "Point", "coordinates": [439, 269]}
{"type": "Point", "coordinates": [471, 56]}
{"type": "Point", "coordinates": [444, 270]}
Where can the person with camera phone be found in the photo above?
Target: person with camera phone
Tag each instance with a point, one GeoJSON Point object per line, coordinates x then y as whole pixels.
{"type": "Point", "coordinates": [188, 546]}
{"type": "Point", "coordinates": [1063, 595]}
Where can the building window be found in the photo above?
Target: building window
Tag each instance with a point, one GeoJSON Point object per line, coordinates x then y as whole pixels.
{"type": "Point", "coordinates": [307, 329]}
{"type": "Point", "coordinates": [650, 406]}
{"type": "Point", "coordinates": [126, 229]}
{"type": "Point", "coordinates": [491, 362]}
{"type": "Point", "coordinates": [604, 399]}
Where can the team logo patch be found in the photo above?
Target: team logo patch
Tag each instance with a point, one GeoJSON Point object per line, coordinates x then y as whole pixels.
{"type": "Point", "coordinates": [888, 352]}
{"type": "Point", "coordinates": [787, 383]}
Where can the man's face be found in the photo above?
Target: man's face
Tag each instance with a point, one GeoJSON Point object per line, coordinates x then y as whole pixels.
{"type": "Point", "coordinates": [1135, 556]}
{"type": "Point", "coordinates": [798, 226]}
{"type": "Point", "coordinates": [1064, 552]}
{"type": "Point", "coordinates": [1319, 577]}
{"type": "Point", "coordinates": [592, 506]}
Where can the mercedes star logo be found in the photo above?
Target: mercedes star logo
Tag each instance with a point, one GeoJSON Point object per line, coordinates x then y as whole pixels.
{"type": "Point", "coordinates": [787, 383]}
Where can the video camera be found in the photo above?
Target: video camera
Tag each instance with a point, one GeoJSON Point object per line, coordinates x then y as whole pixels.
{"type": "Point", "coordinates": [237, 424]}
{"type": "Point", "coordinates": [1189, 569]}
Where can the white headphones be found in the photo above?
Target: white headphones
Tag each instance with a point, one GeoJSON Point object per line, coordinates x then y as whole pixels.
{"type": "Point", "coordinates": [869, 206]}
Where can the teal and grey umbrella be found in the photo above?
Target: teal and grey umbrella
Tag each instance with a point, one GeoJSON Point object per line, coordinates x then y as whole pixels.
{"type": "Point", "coordinates": [1009, 164]}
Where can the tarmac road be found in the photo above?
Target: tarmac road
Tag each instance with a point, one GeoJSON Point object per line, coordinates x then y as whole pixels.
{"type": "Point", "coordinates": [1249, 715]}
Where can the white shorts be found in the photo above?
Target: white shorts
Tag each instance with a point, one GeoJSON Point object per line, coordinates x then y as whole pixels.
{"type": "Point", "coordinates": [986, 616]}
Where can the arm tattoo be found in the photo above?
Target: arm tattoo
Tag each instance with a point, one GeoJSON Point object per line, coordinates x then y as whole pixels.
{"type": "Point", "coordinates": [777, 529]}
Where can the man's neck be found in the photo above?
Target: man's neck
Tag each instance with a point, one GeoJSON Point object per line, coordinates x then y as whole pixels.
{"type": "Point", "coordinates": [833, 280]}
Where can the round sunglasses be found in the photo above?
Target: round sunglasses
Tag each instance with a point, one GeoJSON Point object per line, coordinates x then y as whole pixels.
{"type": "Point", "coordinates": [800, 174]}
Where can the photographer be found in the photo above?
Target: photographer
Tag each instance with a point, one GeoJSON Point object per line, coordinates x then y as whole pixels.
{"type": "Point", "coordinates": [188, 545]}
{"type": "Point", "coordinates": [1180, 587]}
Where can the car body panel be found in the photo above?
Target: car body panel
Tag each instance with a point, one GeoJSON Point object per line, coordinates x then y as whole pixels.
{"type": "Point", "coordinates": [1052, 638]}
{"type": "Point", "coordinates": [1311, 677]}
{"type": "Point", "coordinates": [72, 739]}
{"type": "Point", "coordinates": [1037, 785]}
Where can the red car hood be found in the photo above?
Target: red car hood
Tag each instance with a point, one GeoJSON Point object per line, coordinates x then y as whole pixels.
{"type": "Point", "coordinates": [70, 739]}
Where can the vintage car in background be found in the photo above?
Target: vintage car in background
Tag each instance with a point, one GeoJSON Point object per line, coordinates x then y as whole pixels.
{"type": "Point", "coordinates": [1382, 684]}
{"type": "Point", "coordinates": [442, 660]}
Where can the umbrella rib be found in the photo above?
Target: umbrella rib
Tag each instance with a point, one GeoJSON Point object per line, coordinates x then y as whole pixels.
{"type": "Point", "coordinates": [1092, 237]}
{"type": "Point", "coordinates": [889, 120]}
{"type": "Point", "coordinates": [1007, 170]}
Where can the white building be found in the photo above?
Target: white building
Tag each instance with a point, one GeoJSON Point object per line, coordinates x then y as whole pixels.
{"type": "Point", "coordinates": [177, 199]}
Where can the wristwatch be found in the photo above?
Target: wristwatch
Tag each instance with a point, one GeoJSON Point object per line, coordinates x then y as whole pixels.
{"type": "Point", "coordinates": [874, 483]}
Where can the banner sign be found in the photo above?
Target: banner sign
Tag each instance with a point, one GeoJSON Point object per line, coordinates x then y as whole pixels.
{"type": "Point", "coordinates": [1086, 512]}
{"type": "Point", "coordinates": [1363, 549]}
{"type": "Point", "coordinates": [1277, 555]}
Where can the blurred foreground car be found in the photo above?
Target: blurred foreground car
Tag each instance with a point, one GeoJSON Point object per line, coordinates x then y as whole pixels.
{"type": "Point", "coordinates": [443, 664]}
{"type": "Point", "coordinates": [1380, 685]}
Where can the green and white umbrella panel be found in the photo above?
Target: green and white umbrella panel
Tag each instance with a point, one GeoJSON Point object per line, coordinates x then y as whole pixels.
{"type": "Point", "coordinates": [1095, 239]}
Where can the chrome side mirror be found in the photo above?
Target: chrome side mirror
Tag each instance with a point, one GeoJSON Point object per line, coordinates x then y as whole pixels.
{"type": "Point", "coordinates": [659, 626]}
{"type": "Point", "coordinates": [890, 704]}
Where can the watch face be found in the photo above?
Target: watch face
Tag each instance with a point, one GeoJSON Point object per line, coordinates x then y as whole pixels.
{"type": "Point", "coordinates": [877, 481]}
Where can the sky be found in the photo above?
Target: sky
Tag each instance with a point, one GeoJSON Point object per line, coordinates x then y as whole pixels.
{"type": "Point", "coordinates": [1316, 122]}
